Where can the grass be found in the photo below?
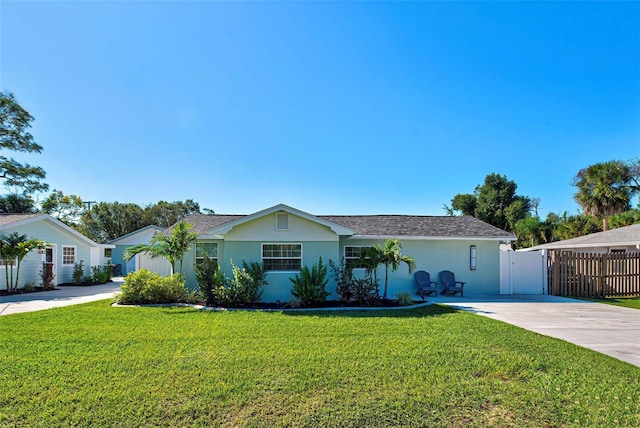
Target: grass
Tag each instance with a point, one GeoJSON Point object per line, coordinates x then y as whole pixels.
{"type": "Point", "coordinates": [627, 302]}
{"type": "Point", "coordinates": [93, 365]}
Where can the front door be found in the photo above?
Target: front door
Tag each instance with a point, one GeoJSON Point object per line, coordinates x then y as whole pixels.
{"type": "Point", "coordinates": [49, 267]}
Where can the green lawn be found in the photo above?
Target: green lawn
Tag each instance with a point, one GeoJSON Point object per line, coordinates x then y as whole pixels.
{"type": "Point", "coordinates": [627, 302]}
{"type": "Point", "coordinates": [93, 365]}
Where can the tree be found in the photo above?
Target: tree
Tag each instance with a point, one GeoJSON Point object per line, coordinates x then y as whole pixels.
{"type": "Point", "coordinates": [66, 208]}
{"type": "Point", "coordinates": [495, 201]}
{"type": "Point", "coordinates": [13, 249]}
{"type": "Point", "coordinates": [371, 258]}
{"type": "Point", "coordinates": [392, 258]}
{"type": "Point", "coordinates": [604, 189]}
{"type": "Point", "coordinates": [15, 203]}
{"type": "Point", "coordinates": [110, 220]}
{"type": "Point", "coordinates": [165, 214]}
{"type": "Point", "coordinates": [531, 231]}
{"type": "Point", "coordinates": [14, 136]}
{"type": "Point", "coordinates": [465, 203]}
{"type": "Point", "coordinates": [171, 247]}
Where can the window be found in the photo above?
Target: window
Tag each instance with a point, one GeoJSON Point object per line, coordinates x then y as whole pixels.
{"type": "Point", "coordinates": [282, 221]}
{"type": "Point", "coordinates": [351, 255]}
{"type": "Point", "coordinates": [107, 253]}
{"type": "Point", "coordinates": [282, 257]}
{"type": "Point", "coordinates": [473, 257]}
{"type": "Point", "coordinates": [68, 255]}
{"type": "Point", "coordinates": [210, 249]}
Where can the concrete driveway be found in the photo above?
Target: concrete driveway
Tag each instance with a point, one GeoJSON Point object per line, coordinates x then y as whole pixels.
{"type": "Point", "coordinates": [63, 296]}
{"type": "Point", "coordinates": [608, 329]}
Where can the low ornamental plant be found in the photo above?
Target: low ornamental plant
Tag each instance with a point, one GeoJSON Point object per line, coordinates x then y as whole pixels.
{"type": "Point", "coordinates": [404, 298]}
{"type": "Point", "coordinates": [309, 286]}
{"type": "Point", "coordinates": [78, 272]}
{"type": "Point", "coordinates": [144, 286]}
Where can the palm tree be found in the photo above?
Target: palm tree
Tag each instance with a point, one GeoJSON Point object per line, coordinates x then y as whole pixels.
{"type": "Point", "coordinates": [371, 258]}
{"type": "Point", "coordinates": [604, 189]}
{"type": "Point", "coordinates": [392, 258]}
{"type": "Point", "coordinates": [15, 247]}
{"type": "Point", "coordinates": [171, 247]}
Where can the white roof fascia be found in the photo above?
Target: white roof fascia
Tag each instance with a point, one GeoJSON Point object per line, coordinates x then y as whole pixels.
{"type": "Point", "coordinates": [151, 226]}
{"type": "Point", "coordinates": [336, 228]}
{"type": "Point", "coordinates": [436, 238]}
{"type": "Point", "coordinates": [59, 225]}
{"type": "Point", "coordinates": [589, 245]}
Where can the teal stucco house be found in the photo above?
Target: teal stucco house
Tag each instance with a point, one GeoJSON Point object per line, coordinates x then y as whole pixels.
{"type": "Point", "coordinates": [284, 239]}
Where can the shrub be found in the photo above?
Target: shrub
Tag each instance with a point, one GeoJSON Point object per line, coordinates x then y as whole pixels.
{"type": "Point", "coordinates": [365, 291]}
{"type": "Point", "coordinates": [164, 289]}
{"type": "Point", "coordinates": [146, 287]}
{"type": "Point", "coordinates": [343, 276]}
{"type": "Point", "coordinates": [99, 275]}
{"type": "Point", "coordinates": [404, 298]}
{"type": "Point", "coordinates": [309, 285]}
{"type": "Point", "coordinates": [244, 289]}
{"type": "Point", "coordinates": [209, 277]}
{"type": "Point", "coordinates": [78, 272]}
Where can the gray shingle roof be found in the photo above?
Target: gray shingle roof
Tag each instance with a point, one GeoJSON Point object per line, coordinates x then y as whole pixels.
{"type": "Point", "coordinates": [385, 225]}
{"type": "Point", "coordinates": [623, 236]}
{"type": "Point", "coordinates": [6, 219]}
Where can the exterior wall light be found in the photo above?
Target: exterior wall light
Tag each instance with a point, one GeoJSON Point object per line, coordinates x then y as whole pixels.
{"type": "Point", "coordinates": [473, 260]}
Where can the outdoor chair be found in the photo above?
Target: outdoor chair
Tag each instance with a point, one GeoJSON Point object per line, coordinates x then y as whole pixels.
{"type": "Point", "coordinates": [451, 286]}
{"type": "Point", "coordinates": [425, 285]}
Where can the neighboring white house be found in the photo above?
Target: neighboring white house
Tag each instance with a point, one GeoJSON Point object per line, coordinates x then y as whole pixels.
{"type": "Point", "coordinates": [140, 236]}
{"type": "Point", "coordinates": [65, 248]}
{"type": "Point", "coordinates": [622, 239]}
{"type": "Point", "coordinates": [284, 239]}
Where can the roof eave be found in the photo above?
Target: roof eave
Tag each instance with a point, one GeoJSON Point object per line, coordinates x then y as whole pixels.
{"type": "Point", "coordinates": [437, 238]}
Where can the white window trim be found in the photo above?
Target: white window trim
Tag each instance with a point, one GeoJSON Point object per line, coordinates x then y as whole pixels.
{"type": "Point", "coordinates": [75, 255]}
{"type": "Point", "coordinates": [346, 259]}
{"type": "Point", "coordinates": [277, 223]}
{"type": "Point", "coordinates": [195, 252]}
{"type": "Point", "coordinates": [282, 258]}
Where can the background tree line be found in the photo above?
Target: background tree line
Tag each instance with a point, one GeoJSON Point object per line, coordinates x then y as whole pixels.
{"type": "Point", "coordinates": [603, 190]}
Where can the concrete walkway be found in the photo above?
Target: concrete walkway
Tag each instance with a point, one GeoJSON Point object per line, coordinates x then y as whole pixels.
{"type": "Point", "coordinates": [608, 329]}
{"type": "Point", "coordinates": [63, 296]}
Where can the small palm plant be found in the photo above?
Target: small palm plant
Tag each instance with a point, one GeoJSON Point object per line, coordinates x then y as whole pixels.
{"type": "Point", "coordinates": [392, 258]}
{"type": "Point", "coordinates": [171, 247]}
{"type": "Point", "coordinates": [15, 247]}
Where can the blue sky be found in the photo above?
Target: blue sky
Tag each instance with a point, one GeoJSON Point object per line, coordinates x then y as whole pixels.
{"type": "Point", "coordinates": [331, 107]}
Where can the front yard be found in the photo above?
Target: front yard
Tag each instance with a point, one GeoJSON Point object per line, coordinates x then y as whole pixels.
{"type": "Point", "coordinates": [93, 365]}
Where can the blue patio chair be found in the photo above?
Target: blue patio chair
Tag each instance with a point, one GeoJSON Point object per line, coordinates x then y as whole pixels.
{"type": "Point", "coordinates": [451, 286]}
{"type": "Point", "coordinates": [425, 285]}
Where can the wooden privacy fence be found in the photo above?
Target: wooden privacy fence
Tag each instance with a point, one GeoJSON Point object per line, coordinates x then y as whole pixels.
{"type": "Point", "coordinates": [593, 275]}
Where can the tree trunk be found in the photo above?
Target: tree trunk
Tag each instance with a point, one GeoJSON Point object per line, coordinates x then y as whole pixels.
{"type": "Point", "coordinates": [17, 274]}
{"type": "Point", "coordinates": [605, 222]}
{"type": "Point", "coordinates": [386, 281]}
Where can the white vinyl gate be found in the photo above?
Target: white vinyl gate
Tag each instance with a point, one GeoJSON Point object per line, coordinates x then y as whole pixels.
{"type": "Point", "coordinates": [523, 272]}
{"type": "Point", "coordinates": [159, 265]}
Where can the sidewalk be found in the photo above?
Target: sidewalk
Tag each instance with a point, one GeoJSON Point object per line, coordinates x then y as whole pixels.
{"type": "Point", "coordinates": [63, 296]}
